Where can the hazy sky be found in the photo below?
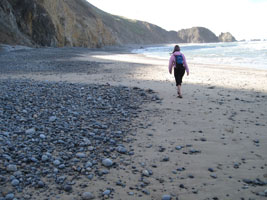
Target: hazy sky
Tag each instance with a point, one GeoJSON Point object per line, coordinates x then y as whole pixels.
{"type": "Point", "coordinates": [245, 19]}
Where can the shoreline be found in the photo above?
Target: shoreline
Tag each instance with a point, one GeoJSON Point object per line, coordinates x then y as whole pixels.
{"type": "Point", "coordinates": [217, 56]}
{"type": "Point", "coordinates": [208, 145]}
{"type": "Point", "coordinates": [125, 49]}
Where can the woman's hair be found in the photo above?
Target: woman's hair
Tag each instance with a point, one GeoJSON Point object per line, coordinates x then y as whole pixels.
{"type": "Point", "coordinates": [176, 48]}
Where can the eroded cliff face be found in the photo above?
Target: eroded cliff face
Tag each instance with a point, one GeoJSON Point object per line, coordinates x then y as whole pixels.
{"type": "Point", "coordinates": [77, 23]}
{"type": "Point", "coordinates": [61, 23]}
{"type": "Point", "coordinates": [52, 23]}
{"type": "Point", "coordinates": [9, 30]}
{"type": "Point", "coordinates": [34, 22]}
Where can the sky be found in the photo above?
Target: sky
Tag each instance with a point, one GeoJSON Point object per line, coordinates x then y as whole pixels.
{"type": "Point", "coordinates": [244, 19]}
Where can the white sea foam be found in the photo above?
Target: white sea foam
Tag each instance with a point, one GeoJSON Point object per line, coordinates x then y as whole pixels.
{"type": "Point", "coordinates": [251, 54]}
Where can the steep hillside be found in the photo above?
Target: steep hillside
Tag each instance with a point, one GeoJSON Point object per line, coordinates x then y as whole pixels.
{"type": "Point", "coordinates": [72, 23]}
{"type": "Point", "coordinates": [59, 23]}
{"type": "Point", "coordinates": [53, 23]}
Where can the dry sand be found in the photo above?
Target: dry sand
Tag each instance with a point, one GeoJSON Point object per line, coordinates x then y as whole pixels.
{"type": "Point", "coordinates": [220, 123]}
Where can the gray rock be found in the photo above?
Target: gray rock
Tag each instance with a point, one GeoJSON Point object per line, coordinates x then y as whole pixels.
{"type": "Point", "coordinates": [9, 196]}
{"type": "Point", "coordinates": [15, 182]}
{"type": "Point", "coordinates": [33, 159]}
{"type": "Point", "coordinates": [17, 174]}
{"type": "Point", "coordinates": [107, 162]}
{"type": "Point", "coordinates": [88, 164]}
{"type": "Point", "coordinates": [178, 147]}
{"type": "Point", "coordinates": [42, 136]}
{"type": "Point", "coordinates": [45, 158]}
{"type": "Point", "coordinates": [211, 170]}
{"type": "Point", "coordinates": [61, 179]}
{"type": "Point", "coordinates": [52, 118]}
{"type": "Point", "coordinates": [166, 197]}
{"type": "Point", "coordinates": [165, 159]}
{"type": "Point", "coordinates": [90, 177]}
{"type": "Point", "coordinates": [262, 194]}
{"type": "Point", "coordinates": [194, 151]}
{"type": "Point", "coordinates": [121, 149]}
{"type": "Point", "coordinates": [67, 188]}
{"type": "Point", "coordinates": [236, 165]}
{"type": "Point", "coordinates": [213, 176]}
{"type": "Point", "coordinates": [7, 157]}
{"type": "Point", "coordinates": [40, 184]}
{"type": "Point", "coordinates": [130, 193]}
{"type": "Point", "coordinates": [106, 192]}
{"type": "Point", "coordinates": [55, 170]}
{"type": "Point", "coordinates": [11, 168]}
{"type": "Point", "coordinates": [61, 166]}
{"type": "Point", "coordinates": [30, 131]}
{"type": "Point", "coordinates": [197, 35]}
{"type": "Point", "coordinates": [87, 196]}
{"type": "Point", "coordinates": [146, 192]}
{"type": "Point", "coordinates": [81, 155]}
{"type": "Point", "coordinates": [56, 162]}
{"type": "Point", "coordinates": [145, 173]}
{"type": "Point", "coordinates": [226, 37]}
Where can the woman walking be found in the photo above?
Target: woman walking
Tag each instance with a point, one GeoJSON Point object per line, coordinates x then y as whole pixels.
{"type": "Point", "coordinates": [178, 61]}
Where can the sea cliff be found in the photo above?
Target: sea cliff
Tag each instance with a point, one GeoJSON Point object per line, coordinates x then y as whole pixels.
{"type": "Point", "coordinates": [77, 23]}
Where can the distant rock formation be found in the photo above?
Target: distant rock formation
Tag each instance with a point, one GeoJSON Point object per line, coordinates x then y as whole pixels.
{"type": "Point", "coordinates": [226, 37]}
{"type": "Point", "coordinates": [60, 23]}
{"type": "Point", "coordinates": [197, 35]}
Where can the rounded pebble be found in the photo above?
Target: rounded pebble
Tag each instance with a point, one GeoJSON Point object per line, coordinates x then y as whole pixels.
{"type": "Point", "coordinates": [44, 158]}
{"type": "Point", "coordinates": [106, 192]}
{"type": "Point", "coordinates": [107, 162]}
{"type": "Point", "coordinates": [15, 182]}
{"type": "Point", "coordinates": [56, 162]}
{"type": "Point", "coordinates": [166, 197]}
{"type": "Point", "coordinates": [11, 168]}
{"type": "Point", "coordinates": [9, 196]}
{"type": "Point", "coordinates": [87, 196]}
{"type": "Point", "coordinates": [80, 155]}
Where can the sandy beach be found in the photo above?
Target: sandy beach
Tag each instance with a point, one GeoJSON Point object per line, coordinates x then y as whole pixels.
{"type": "Point", "coordinates": [209, 145]}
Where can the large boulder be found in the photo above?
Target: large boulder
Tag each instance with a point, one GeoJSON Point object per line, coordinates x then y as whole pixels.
{"type": "Point", "coordinates": [226, 37]}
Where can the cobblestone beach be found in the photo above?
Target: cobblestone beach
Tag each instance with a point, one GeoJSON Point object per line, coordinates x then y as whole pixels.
{"type": "Point", "coordinates": [80, 123]}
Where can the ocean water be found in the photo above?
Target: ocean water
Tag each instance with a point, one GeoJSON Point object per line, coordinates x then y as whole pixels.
{"type": "Point", "coordinates": [251, 54]}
